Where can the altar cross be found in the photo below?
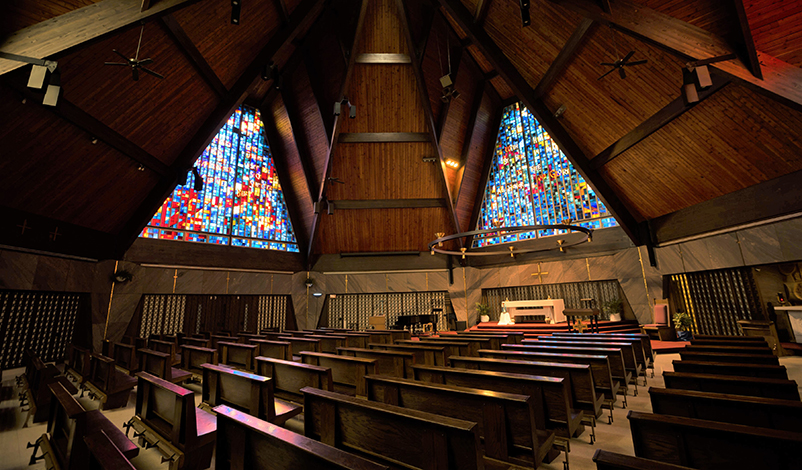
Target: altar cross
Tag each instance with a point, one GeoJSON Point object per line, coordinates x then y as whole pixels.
{"type": "Point", "coordinates": [540, 273]}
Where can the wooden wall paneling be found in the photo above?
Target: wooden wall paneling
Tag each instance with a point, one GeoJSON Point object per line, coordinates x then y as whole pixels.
{"type": "Point", "coordinates": [552, 125]}
{"type": "Point", "coordinates": [193, 54]}
{"type": "Point", "coordinates": [311, 121]}
{"type": "Point", "coordinates": [733, 140]}
{"type": "Point", "coordinates": [18, 15]}
{"type": "Point", "coordinates": [480, 163]}
{"type": "Point", "coordinates": [142, 111]}
{"type": "Point", "coordinates": [229, 48]}
{"type": "Point", "coordinates": [456, 59]}
{"type": "Point", "coordinates": [502, 88]}
{"type": "Point", "coordinates": [382, 31]}
{"type": "Point", "coordinates": [777, 28]}
{"type": "Point", "coordinates": [434, 60]}
{"type": "Point", "coordinates": [79, 27]}
{"type": "Point", "coordinates": [300, 20]}
{"type": "Point", "coordinates": [467, 139]}
{"type": "Point", "coordinates": [458, 124]}
{"type": "Point", "coordinates": [384, 171]}
{"type": "Point", "coordinates": [715, 16]}
{"type": "Point", "coordinates": [55, 171]}
{"type": "Point", "coordinates": [564, 57]}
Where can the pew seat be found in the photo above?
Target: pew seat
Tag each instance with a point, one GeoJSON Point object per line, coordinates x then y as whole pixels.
{"type": "Point", "coordinates": [104, 455]}
{"type": "Point", "coordinates": [736, 385]}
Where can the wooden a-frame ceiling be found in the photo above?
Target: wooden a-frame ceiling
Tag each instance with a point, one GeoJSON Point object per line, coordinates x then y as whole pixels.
{"type": "Point", "coordinates": [85, 177]}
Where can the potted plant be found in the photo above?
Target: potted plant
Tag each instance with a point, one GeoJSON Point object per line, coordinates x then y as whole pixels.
{"type": "Point", "coordinates": [484, 312]}
{"type": "Point", "coordinates": [683, 323]}
{"type": "Point", "coordinates": [613, 309]}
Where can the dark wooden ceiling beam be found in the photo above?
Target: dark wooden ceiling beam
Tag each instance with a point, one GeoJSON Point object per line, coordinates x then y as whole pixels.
{"type": "Point", "coordinates": [194, 55]}
{"type": "Point", "coordinates": [553, 126]}
{"type": "Point", "coordinates": [403, 16]}
{"type": "Point", "coordinates": [478, 96]}
{"type": "Point", "coordinates": [359, 204]}
{"type": "Point", "coordinates": [487, 164]}
{"type": "Point", "coordinates": [605, 5]}
{"type": "Point", "coordinates": [781, 80]}
{"type": "Point", "coordinates": [564, 57]}
{"type": "Point", "coordinates": [479, 15]}
{"type": "Point", "coordinates": [351, 61]}
{"type": "Point", "coordinates": [428, 25]}
{"type": "Point", "coordinates": [306, 12]}
{"type": "Point", "coordinates": [78, 27]}
{"type": "Point", "coordinates": [316, 82]}
{"type": "Point", "coordinates": [281, 7]}
{"type": "Point", "coordinates": [382, 137]}
{"type": "Point", "coordinates": [654, 123]}
{"type": "Point", "coordinates": [746, 44]}
{"type": "Point", "coordinates": [441, 123]}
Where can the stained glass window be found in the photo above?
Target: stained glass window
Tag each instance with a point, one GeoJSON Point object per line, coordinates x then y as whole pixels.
{"type": "Point", "coordinates": [531, 182]}
{"type": "Point", "coordinates": [241, 203]}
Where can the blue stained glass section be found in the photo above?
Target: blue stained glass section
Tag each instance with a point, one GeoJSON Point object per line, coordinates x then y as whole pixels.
{"type": "Point", "coordinates": [531, 182]}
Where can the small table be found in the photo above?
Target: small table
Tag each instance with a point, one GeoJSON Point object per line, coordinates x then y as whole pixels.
{"type": "Point", "coordinates": [593, 313]}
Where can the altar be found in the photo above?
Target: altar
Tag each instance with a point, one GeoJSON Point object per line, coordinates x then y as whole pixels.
{"type": "Point", "coordinates": [551, 309]}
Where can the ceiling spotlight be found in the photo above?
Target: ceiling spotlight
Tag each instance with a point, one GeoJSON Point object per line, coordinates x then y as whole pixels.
{"type": "Point", "coordinates": [352, 113]}
{"type": "Point", "coordinates": [94, 141]}
{"type": "Point", "coordinates": [689, 92]}
{"type": "Point", "coordinates": [452, 163]}
{"type": "Point", "coordinates": [560, 111]}
{"type": "Point", "coordinates": [337, 108]}
{"type": "Point", "coordinates": [141, 167]}
{"type": "Point", "coordinates": [53, 89]}
{"type": "Point", "coordinates": [525, 20]}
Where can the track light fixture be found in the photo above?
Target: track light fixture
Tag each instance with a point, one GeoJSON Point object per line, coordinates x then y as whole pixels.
{"type": "Point", "coordinates": [525, 20]}
{"type": "Point", "coordinates": [452, 163]}
{"type": "Point", "coordinates": [351, 108]}
{"type": "Point", "coordinates": [449, 92]}
{"type": "Point", "coordinates": [235, 11]}
{"type": "Point", "coordinates": [696, 77]}
{"type": "Point", "coordinates": [38, 74]}
{"type": "Point", "coordinates": [429, 159]}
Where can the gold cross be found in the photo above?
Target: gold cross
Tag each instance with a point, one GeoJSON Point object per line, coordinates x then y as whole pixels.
{"type": "Point", "coordinates": [54, 234]}
{"type": "Point", "coordinates": [539, 273]}
{"type": "Point", "coordinates": [24, 226]}
{"type": "Point", "coordinates": [580, 327]}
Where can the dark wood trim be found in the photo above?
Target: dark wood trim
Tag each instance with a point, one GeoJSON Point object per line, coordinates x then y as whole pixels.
{"type": "Point", "coordinates": [304, 15]}
{"type": "Point", "coordinates": [487, 165]}
{"type": "Point", "coordinates": [482, 6]}
{"type": "Point", "coordinates": [441, 123]}
{"type": "Point", "coordinates": [605, 5]}
{"type": "Point", "coordinates": [403, 16]}
{"type": "Point", "coordinates": [335, 133]}
{"type": "Point", "coordinates": [466, 143]}
{"type": "Point", "coordinates": [774, 198]}
{"type": "Point", "coordinates": [552, 125]}
{"type": "Point", "coordinates": [382, 58]}
{"type": "Point", "coordinates": [564, 57]}
{"type": "Point", "coordinates": [281, 7]}
{"type": "Point", "coordinates": [747, 45]}
{"type": "Point", "coordinates": [428, 25]}
{"type": "Point", "coordinates": [491, 75]}
{"type": "Point", "coordinates": [381, 137]}
{"type": "Point", "coordinates": [654, 123]}
{"type": "Point", "coordinates": [316, 82]}
{"type": "Point", "coordinates": [177, 33]}
{"type": "Point", "coordinates": [354, 204]}
{"type": "Point", "coordinates": [692, 43]}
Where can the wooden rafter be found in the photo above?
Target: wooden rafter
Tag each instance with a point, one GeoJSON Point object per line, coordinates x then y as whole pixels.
{"type": "Point", "coordinates": [441, 124]}
{"type": "Point", "coordinates": [337, 123]}
{"type": "Point", "coordinates": [654, 123]}
{"type": "Point", "coordinates": [482, 6]}
{"type": "Point", "coordinates": [403, 15]}
{"type": "Point", "coordinates": [194, 55]}
{"type": "Point", "coordinates": [487, 164]}
{"type": "Point", "coordinates": [316, 82]}
{"type": "Point", "coordinates": [564, 57]}
{"type": "Point", "coordinates": [781, 81]}
{"type": "Point", "coordinates": [553, 126]}
{"type": "Point", "coordinates": [281, 7]}
{"type": "Point", "coordinates": [358, 204]}
{"type": "Point", "coordinates": [302, 17]}
{"type": "Point", "coordinates": [478, 96]}
{"type": "Point", "coordinates": [381, 137]}
{"type": "Point", "coordinates": [744, 33]}
{"type": "Point", "coordinates": [428, 24]}
{"type": "Point", "coordinates": [78, 27]}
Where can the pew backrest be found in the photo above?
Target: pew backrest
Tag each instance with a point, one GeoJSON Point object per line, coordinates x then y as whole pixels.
{"type": "Point", "coordinates": [731, 368]}
{"type": "Point", "coordinates": [348, 373]}
{"type": "Point", "coordinates": [275, 349]}
{"type": "Point", "coordinates": [394, 363]}
{"type": "Point", "coordinates": [736, 385]}
{"type": "Point", "coordinates": [125, 357]}
{"type": "Point", "coordinates": [192, 357]}
{"type": "Point", "coordinates": [244, 391]}
{"type": "Point", "coordinates": [237, 355]}
{"type": "Point", "coordinates": [429, 355]}
{"type": "Point", "coordinates": [168, 409]}
{"type": "Point", "coordinates": [289, 377]}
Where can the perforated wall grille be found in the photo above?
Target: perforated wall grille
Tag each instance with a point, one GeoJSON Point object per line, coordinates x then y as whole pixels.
{"type": "Point", "coordinates": [272, 312]}
{"type": "Point", "coordinates": [571, 293]}
{"type": "Point", "coordinates": [41, 321]}
{"type": "Point", "coordinates": [353, 310]}
{"type": "Point", "coordinates": [162, 314]}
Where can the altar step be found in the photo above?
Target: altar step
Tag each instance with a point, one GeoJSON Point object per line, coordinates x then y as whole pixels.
{"type": "Point", "coordinates": [535, 329]}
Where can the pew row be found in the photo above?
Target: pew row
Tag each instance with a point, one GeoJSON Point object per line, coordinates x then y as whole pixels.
{"type": "Point", "coordinates": [428, 355]}
{"type": "Point", "coordinates": [107, 384]}
{"type": "Point", "coordinates": [736, 385]}
{"type": "Point", "coordinates": [275, 349]}
{"type": "Point", "coordinates": [632, 349]}
{"type": "Point", "coordinates": [393, 363]}
{"type": "Point", "coordinates": [769, 359]}
{"type": "Point", "coordinates": [193, 357]}
{"type": "Point", "coordinates": [35, 381]}
{"type": "Point", "coordinates": [731, 368]}
{"type": "Point", "coordinates": [104, 455]}
{"type": "Point", "coordinates": [289, 377]}
{"type": "Point", "coordinates": [347, 373]}
{"type": "Point", "coordinates": [606, 460]}
{"type": "Point", "coordinates": [158, 364]}
{"type": "Point", "coordinates": [238, 355]}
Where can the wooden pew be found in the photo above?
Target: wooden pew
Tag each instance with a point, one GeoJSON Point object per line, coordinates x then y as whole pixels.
{"type": "Point", "coordinates": [274, 336]}
{"type": "Point", "coordinates": [379, 336]}
{"type": "Point", "coordinates": [474, 344]}
{"type": "Point", "coordinates": [197, 342]}
{"type": "Point", "coordinates": [104, 455]}
{"type": "Point", "coordinates": [238, 355]}
{"type": "Point", "coordinates": [767, 359]}
{"type": "Point", "coordinates": [275, 349]}
{"type": "Point", "coordinates": [551, 395]}
{"type": "Point", "coordinates": [246, 443]}
{"type": "Point", "coordinates": [330, 343]}
{"type": "Point", "coordinates": [736, 385]}
{"type": "Point", "coordinates": [611, 461]}
{"type": "Point", "coordinates": [289, 377]}
{"type": "Point", "coordinates": [646, 342]}
{"type": "Point", "coordinates": [631, 363]}
{"type": "Point", "coordinates": [513, 337]}
{"type": "Point", "coordinates": [137, 342]}
{"type": "Point", "coordinates": [452, 348]}
{"type": "Point", "coordinates": [429, 355]}
{"type": "Point", "coordinates": [68, 422]}
{"type": "Point", "coordinates": [76, 364]}
{"type": "Point", "coordinates": [506, 421]}
{"type": "Point", "coordinates": [108, 384]}
{"type": "Point", "coordinates": [785, 415]}
{"type": "Point", "coordinates": [731, 368]}
{"type": "Point", "coordinates": [495, 340]}
{"type": "Point", "coordinates": [395, 436]}
{"type": "Point", "coordinates": [125, 358]}
{"type": "Point", "coordinates": [599, 365]}
{"type": "Point", "coordinates": [107, 348]}
{"type": "Point", "coordinates": [708, 445]}
{"type": "Point", "coordinates": [193, 357]}
{"type": "Point", "coordinates": [166, 347]}
{"type": "Point", "coordinates": [158, 364]}
{"type": "Point", "coordinates": [354, 340]}
{"type": "Point", "coordinates": [166, 418]}
{"type": "Point", "coordinates": [641, 357]}
{"type": "Point", "coordinates": [296, 333]}
{"type": "Point", "coordinates": [756, 339]}
{"type": "Point", "coordinates": [249, 393]}
{"type": "Point", "coordinates": [393, 363]}
{"type": "Point", "coordinates": [704, 349]}
{"type": "Point", "coordinates": [246, 337]}
{"type": "Point", "coordinates": [578, 376]}
{"type": "Point", "coordinates": [217, 338]}
{"type": "Point", "coordinates": [614, 356]}
{"type": "Point", "coordinates": [38, 376]}
{"type": "Point", "coordinates": [301, 344]}
{"type": "Point", "coordinates": [396, 334]}
{"type": "Point", "coordinates": [734, 342]}
{"type": "Point", "coordinates": [347, 373]}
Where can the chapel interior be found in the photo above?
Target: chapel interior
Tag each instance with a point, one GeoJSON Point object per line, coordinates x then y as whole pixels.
{"type": "Point", "coordinates": [400, 234]}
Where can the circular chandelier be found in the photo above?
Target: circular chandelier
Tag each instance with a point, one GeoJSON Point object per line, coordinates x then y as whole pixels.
{"type": "Point", "coordinates": [435, 246]}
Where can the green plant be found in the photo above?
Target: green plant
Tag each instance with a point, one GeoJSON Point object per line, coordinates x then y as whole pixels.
{"type": "Point", "coordinates": [613, 306]}
{"type": "Point", "coordinates": [683, 321]}
{"type": "Point", "coordinates": [482, 309]}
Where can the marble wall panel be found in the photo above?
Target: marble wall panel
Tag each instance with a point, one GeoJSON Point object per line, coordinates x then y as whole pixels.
{"type": "Point", "coordinates": [488, 277]}
{"type": "Point", "coordinates": [510, 276]}
{"type": "Point", "coordinates": [602, 268]}
{"type": "Point", "coordinates": [17, 270]}
{"type": "Point", "coordinates": [103, 272]}
{"type": "Point", "coordinates": [138, 279]}
{"type": "Point", "coordinates": [760, 245]}
{"type": "Point", "coordinates": [695, 255]}
{"type": "Point", "coordinates": [370, 283]}
{"type": "Point", "coordinates": [669, 260]}
{"type": "Point", "coordinates": [100, 307]}
{"type": "Point", "coordinates": [725, 251]}
{"type": "Point", "coordinates": [627, 264]}
{"type": "Point", "coordinates": [51, 274]}
{"type": "Point", "coordinates": [249, 283]}
{"type": "Point", "coordinates": [281, 284]}
{"type": "Point", "coordinates": [97, 335]}
{"type": "Point", "coordinates": [215, 282]}
{"type": "Point", "coordinates": [335, 283]}
{"type": "Point", "coordinates": [789, 234]}
{"type": "Point", "coordinates": [190, 281]}
{"type": "Point", "coordinates": [438, 281]}
{"type": "Point", "coordinates": [81, 277]}
{"type": "Point", "coordinates": [157, 280]}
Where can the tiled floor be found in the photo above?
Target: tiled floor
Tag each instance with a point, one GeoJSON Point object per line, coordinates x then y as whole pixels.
{"type": "Point", "coordinates": [15, 433]}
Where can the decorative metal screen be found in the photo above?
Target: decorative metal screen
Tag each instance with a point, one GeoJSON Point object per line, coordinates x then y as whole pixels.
{"type": "Point", "coordinates": [716, 300]}
{"type": "Point", "coordinates": [41, 321]}
{"type": "Point", "coordinates": [173, 313]}
{"type": "Point", "coordinates": [353, 310]}
{"type": "Point", "coordinates": [571, 293]}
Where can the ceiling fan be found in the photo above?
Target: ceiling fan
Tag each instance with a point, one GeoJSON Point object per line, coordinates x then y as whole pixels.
{"type": "Point", "coordinates": [620, 64]}
{"type": "Point", "coordinates": [134, 62]}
